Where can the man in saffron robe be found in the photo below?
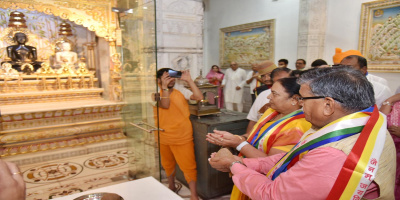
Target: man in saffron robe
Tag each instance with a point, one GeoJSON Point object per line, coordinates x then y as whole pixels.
{"type": "Point", "coordinates": [176, 141]}
{"type": "Point", "coordinates": [348, 154]}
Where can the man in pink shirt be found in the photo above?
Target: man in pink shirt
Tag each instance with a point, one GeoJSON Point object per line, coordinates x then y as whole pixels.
{"type": "Point", "coordinates": [339, 103]}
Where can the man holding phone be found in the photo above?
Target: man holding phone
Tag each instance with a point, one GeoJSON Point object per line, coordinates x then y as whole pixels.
{"type": "Point", "coordinates": [176, 141]}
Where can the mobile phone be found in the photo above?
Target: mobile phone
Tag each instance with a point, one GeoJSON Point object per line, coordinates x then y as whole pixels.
{"type": "Point", "coordinates": [174, 74]}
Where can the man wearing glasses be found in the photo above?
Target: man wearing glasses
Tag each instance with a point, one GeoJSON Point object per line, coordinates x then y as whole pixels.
{"type": "Point", "coordinates": [348, 153]}
{"type": "Point", "coordinates": [300, 64]}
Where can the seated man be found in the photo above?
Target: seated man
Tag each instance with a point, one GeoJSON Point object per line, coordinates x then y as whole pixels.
{"type": "Point", "coordinates": [22, 54]}
{"type": "Point", "coordinates": [347, 155]}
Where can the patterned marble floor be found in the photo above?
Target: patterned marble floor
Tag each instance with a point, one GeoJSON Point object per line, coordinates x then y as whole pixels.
{"type": "Point", "coordinates": [185, 193]}
{"type": "Point", "coordinates": [68, 176]}
{"type": "Point", "coordinates": [84, 171]}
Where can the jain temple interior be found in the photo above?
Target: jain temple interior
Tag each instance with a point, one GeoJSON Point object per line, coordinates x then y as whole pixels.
{"type": "Point", "coordinates": [77, 81]}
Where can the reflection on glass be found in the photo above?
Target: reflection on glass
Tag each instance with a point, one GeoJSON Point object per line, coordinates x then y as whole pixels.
{"type": "Point", "coordinates": [138, 58]}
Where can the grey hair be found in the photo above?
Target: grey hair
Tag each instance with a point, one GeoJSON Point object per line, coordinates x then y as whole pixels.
{"type": "Point", "coordinates": [344, 84]}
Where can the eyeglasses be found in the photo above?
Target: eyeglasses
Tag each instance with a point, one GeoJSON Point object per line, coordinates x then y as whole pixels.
{"type": "Point", "coordinates": [316, 97]}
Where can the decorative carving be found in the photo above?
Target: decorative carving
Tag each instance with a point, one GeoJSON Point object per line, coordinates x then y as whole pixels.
{"type": "Point", "coordinates": [45, 69]}
{"type": "Point", "coordinates": [95, 15]}
{"type": "Point", "coordinates": [310, 43]}
{"type": "Point", "coordinates": [66, 69]}
{"type": "Point", "coordinates": [6, 69]}
{"type": "Point", "coordinates": [82, 70]}
{"type": "Point", "coordinates": [60, 131]}
{"type": "Point", "coordinates": [31, 148]}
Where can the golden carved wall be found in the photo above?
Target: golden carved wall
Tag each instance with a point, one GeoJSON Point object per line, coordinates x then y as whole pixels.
{"type": "Point", "coordinates": [95, 15]}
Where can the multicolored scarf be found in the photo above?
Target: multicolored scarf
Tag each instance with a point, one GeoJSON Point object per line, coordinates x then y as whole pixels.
{"type": "Point", "coordinates": [271, 132]}
{"type": "Point", "coordinates": [263, 136]}
{"type": "Point", "coordinates": [361, 165]}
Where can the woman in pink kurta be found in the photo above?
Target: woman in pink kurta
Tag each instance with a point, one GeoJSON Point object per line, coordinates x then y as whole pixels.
{"type": "Point", "coordinates": [391, 107]}
{"type": "Point", "coordinates": [215, 77]}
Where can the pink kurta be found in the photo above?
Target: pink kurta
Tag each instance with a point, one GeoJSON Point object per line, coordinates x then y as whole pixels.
{"type": "Point", "coordinates": [220, 76]}
{"type": "Point", "coordinates": [393, 119]}
{"type": "Point", "coordinates": [310, 178]}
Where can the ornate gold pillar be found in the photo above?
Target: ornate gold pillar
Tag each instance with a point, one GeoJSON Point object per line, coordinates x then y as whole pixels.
{"type": "Point", "coordinates": [91, 62]}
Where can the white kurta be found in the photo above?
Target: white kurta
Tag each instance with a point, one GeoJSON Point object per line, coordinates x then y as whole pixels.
{"type": "Point", "coordinates": [260, 101]}
{"type": "Point", "coordinates": [371, 77]}
{"type": "Point", "coordinates": [253, 83]}
{"type": "Point", "coordinates": [382, 92]}
{"type": "Point", "coordinates": [230, 81]}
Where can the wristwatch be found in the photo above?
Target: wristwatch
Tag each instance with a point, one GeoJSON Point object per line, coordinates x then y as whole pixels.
{"type": "Point", "coordinates": [166, 90]}
{"type": "Point", "coordinates": [386, 103]}
{"type": "Point", "coordinates": [234, 162]}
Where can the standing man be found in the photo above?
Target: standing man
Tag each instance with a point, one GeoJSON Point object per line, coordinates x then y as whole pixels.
{"type": "Point", "coordinates": [254, 81]}
{"type": "Point", "coordinates": [381, 90]}
{"type": "Point", "coordinates": [176, 141]}
{"type": "Point", "coordinates": [300, 64]}
{"type": "Point", "coordinates": [283, 63]}
{"type": "Point", "coordinates": [233, 84]}
{"type": "Point", "coordinates": [340, 56]}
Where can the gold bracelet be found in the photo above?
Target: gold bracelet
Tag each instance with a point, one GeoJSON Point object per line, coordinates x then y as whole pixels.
{"type": "Point", "coordinates": [240, 137]}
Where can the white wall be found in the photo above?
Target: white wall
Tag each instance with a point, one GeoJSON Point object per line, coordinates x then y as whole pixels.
{"type": "Point", "coordinates": [342, 30]}
{"type": "Point", "coordinates": [224, 13]}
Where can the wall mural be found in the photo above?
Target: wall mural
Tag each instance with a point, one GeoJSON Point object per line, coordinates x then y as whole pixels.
{"type": "Point", "coordinates": [379, 38]}
{"type": "Point", "coordinates": [247, 43]}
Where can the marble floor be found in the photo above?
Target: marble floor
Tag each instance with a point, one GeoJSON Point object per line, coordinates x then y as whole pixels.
{"type": "Point", "coordinates": [89, 167]}
{"type": "Point", "coordinates": [184, 192]}
{"type": "Point", "coordinates": [68, 176]}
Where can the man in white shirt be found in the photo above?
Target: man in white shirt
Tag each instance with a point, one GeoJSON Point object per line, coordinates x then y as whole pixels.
{"type": "Point", "coordinates": [381, 90]}
{"type": "Point", "coordinates": [233, 83]}
{"type": "Point", "coordinates": [253, 80]}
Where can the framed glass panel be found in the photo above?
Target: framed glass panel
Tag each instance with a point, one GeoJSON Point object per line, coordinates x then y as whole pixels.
{"type": "Point", "coordinates": [137, 44]}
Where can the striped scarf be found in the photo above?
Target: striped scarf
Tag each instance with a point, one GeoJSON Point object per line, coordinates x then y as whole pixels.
{"type": "Point", "coordinates": [361, 165]}
{"type": "Point", "coordinates": [260, 133]}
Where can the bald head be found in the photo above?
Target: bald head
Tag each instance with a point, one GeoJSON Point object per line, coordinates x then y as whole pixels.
{"type": "Point", "coordinates": [234, 66]}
